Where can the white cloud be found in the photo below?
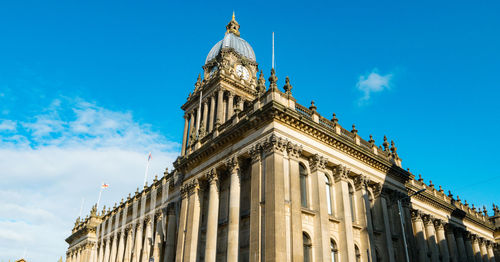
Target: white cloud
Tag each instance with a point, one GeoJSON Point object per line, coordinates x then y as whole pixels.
{"type": "Point", "coordinates": [8, 125]}
{"type": "Point", "coordinates": [52, 161]}
{"type": "Point", "coordinates": [372, 83]}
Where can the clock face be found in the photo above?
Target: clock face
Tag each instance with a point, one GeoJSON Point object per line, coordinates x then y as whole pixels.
{"type": "Point", "coordinates": [242, 72]}
{"type": "Point", "coordinates": [213, 70]}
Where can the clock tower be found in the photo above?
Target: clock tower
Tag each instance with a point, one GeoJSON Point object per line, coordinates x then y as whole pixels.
{"type": "Point", "coordinates": [229, 83]}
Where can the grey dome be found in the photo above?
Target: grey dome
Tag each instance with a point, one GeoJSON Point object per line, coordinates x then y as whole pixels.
{"type": "Point", "coordinates": [230, 40]}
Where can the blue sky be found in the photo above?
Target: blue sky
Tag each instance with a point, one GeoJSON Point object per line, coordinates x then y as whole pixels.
{"type": "Point", "coordinates": [88, 88]}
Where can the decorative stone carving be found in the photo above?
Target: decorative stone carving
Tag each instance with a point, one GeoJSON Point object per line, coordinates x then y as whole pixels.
{"type": "Point", "coordinates": [294, 150]}
{"type": "Point", "coordinates": [287, 87]}
{"type": "Point", "coordinates": [274, 144]}
{"type": "Point", "coordinates": [341, 173]}
{"type": "Point", "coordinates": [361, 182]}
{"type": "Point", "coordinates": [261, 84]}
{"type": "Point", "coordinates": [255, 152]}
{"type": "Point", "coordinates": [317, 162]}
{"type": "Point", "coordinates": [416, 215]}
{"type": "Point", "coordinates": [273, 79]}
{"type": "Point", "coordinates": [232, 164]}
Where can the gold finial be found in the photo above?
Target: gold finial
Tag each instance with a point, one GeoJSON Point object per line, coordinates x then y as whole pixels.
{"type": "Point", "coordinates": [233, 27]}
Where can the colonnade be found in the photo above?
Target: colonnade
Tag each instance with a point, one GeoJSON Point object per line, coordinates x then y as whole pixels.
{"type": "Point", "coordinates": [216, 109]}
{"type": "Point", "coordinates": [438, 240]}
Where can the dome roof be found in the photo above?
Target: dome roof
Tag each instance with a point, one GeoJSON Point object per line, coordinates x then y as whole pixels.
{"type": "Point", "coordinates": [238, 44]}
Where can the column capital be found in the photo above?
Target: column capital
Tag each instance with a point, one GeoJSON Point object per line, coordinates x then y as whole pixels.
{"type": "Point", "coordinates": [341, 173]}
{"type": "Point", "coordinates": [439, 224]}
{"type": "Point", "coordinates": [294, 150]}
{"type": "Point", "coordinates": [416, 215]}
{"type": "Point", "coordinates": [274, 144]}
{"type": "Point", "coordinates": [255, 152]}
{"type": "Point", "coordinates": [230, 95]}
{"type": "Point", "coordinates": [232, 164]}
{"type": "Point", "coordinates": [317, 162]}
{"type": "Point", "coordinates": [428, 220]}
{"type": "Point", "coordinates": [361, 182]}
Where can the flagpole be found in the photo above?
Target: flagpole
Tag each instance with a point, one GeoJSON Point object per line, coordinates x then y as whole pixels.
{"type": "Point", "coordinates": [99, 199]}
{"type": "Point", "coordinates": [81, 207]}
{"type": "Point", "coordinates": [147, 168]}
{"type": "Point", "coordinates": [272, 65]}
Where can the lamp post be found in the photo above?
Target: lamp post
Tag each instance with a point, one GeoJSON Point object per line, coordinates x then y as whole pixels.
{"type": "Point", "coordinates": [400, 208]}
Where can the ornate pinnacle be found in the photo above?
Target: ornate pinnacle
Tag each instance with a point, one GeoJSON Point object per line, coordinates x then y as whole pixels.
{"type": "Point", "coordinates": [450, 195]}
{"type": "Point", "coordinates": [393, 147]}
{"type": "Point", "coordinates": [128, 198]}
{"type": "Point", "coordinates": [485, 212]}
{"type": "Point", "coordinates": [233, 27]}
{"type": "Point", "coordinates": [441, 189]}
{"type": "Point", "coordinates": [371, 141]}
{"type": "Point", "coordinates": [313, 106]}
{"type": "Point", "coordinates": [287, 87]}
{"type": "Point", "coordinates": [385, 144]}
{"type": "Point", "coordinates": [156, 178]}
{"type": "Point", "coordinates": [273, 79]}
{"type": "Point", "coordinates": [354, 130]}
{"type": "Point", "coordinates": [431, 184]}
{"type": "Point", "coordinates": [261, 83]}
{"type": "Point", "coordinates": [334, 118]}
{"type": "Point", "coordinates": [198, 83]}
{"type": "Point", "coordinates": [420, 179]}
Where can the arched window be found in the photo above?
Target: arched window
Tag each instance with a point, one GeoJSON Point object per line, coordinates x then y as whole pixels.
{"type": "Point", "coordinates": [334, 251]}
{"type": "Point", "coordinates": [351, 202]}
{"type": "Point", "coordinates": [307, 247]}
{"type": "Point", "coordinates": [328, 190]}
{"type": "Point", "coordinates": [358, 254]}
{"type": "Point", "coordinates": [303, 185]}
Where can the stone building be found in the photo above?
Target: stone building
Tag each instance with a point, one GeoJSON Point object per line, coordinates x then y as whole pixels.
{"type": "Point", "coordinates": [263, 178]}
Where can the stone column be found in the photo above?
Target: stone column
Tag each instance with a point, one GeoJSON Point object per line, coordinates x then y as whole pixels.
{"type": "Point", "coordinates": [491, 254]}
{"type": "Point", "coordinates": [387, 227]}
{"type": "Point", "coordinates": [193, 221]}
{"type": "Point", "coordinates": [158, 237]}
{"type": "Point", "coordinates": [136, 255]}
{"type": "Point", "coordinates": [184, 135]}
{"type": "Point", "coordinates": [274, 220]}
{"type": "Point", "coordinates": [462, 254]}
{"type": "Point", "coordinates": [468, 246]}
{"type": "Point", "coordinates": [101, 249]}
{"type": "Point", "coordinates": [129, 245]}
{"type": "Point", "coordinates": [369, 239]}
{"type": "Point", "coordinates": [212, 114]}
{"type": "Point", "coordinates": [452, 243]}
{"type": "Point", "coordinates": [107, 250]}
{"type": "Point", "coordinates": [212, 217]}
{"type": "Point", "coordinates": [346, 233]}
{"type": "Point", "coordinates": [484, 251]}
{"type": "Point", "coordinates": [170, 237]}
{"type": "Point", "coordinates": [121, 246]}
{"type": "Point", "coordinates": [220, 104]}
{"type": "Point", "coordinates": [230, 104]}
{"type": "Point", "coordinates": [441, 237]}
{"type": "Point", "coordinates": [146, 248]}
{"type": "Point", "coordinates": [320, 238]}
{"type": "Point", "coordinates": [418, 231]}
{"type": "Point", "coordinates": [431, 238]}
{"type": "Point", "coordinates": [78, 252]}
{"type": "Point", "coordinates": [476, 249]}
{"type": "Point", "coordinates": [294, 153]}
{"type": "Point", "coordinates": [114, 247]}
{"type": "Point", "coordinates": [181, 235]}
{"type": "Point", "coordinates": [256, 202]}
{"type": "Point", "coordinates": [205, 114]}
{"type": "Point", "coordinates": [234, 209]}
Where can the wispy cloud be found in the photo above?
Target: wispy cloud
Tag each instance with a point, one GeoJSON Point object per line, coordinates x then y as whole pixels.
{"type": "Point", "coordinates": [52, 160]}
{"type": "Point", "coordinates": [372, 82]}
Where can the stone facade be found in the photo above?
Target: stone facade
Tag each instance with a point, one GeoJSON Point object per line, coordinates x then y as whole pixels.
{"type": "Point", "coordinates": [263, 178]}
